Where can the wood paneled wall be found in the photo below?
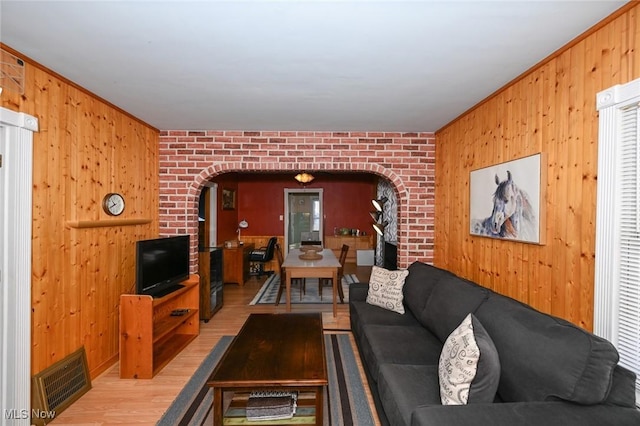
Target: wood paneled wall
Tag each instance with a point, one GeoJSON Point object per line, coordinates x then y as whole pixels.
{"type": "Point", "coordinates": [82, 262]}
{"type": "Point", "coordinates": [550, 109]}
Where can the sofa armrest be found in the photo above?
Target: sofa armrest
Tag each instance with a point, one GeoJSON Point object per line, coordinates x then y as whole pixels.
{"type": "Point", "coordinates": [525, 414]}
{"type": "Point", "coordinates": [358, 292]}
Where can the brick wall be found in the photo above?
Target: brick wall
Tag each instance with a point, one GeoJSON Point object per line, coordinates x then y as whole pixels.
{"type": "Point", "coordinates": [407, 160]}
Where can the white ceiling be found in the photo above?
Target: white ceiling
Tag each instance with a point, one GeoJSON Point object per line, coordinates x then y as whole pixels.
{"type": "Point", "coordinates": [294, 65]}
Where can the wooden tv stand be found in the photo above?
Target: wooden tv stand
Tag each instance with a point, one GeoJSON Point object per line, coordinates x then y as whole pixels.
{"type": "Point", "coordinates": [149, 336]}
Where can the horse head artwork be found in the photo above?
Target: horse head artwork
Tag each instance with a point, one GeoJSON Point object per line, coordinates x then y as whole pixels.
{"type": "Point", "coordinates": [513, 215]}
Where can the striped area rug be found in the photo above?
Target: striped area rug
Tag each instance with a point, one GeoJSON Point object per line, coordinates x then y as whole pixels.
{"type": "Point", "coordinates": [269, 290]}
{"type": "Point", "coordinates": [347, 398]}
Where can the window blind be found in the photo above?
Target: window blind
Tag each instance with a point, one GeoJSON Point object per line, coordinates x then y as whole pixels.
{"type": "Point", "coordinates": [629, 242]}
{"type": "Point", "coordinates": [617, 265]}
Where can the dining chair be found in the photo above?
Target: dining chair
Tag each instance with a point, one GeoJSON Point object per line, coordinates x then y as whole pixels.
{"type": "Point", "coordinates": [329, 281]}
{"type": "Point", "coordinates": [301, 282]}
{"type": "Point", "coordinates": [263, 255]}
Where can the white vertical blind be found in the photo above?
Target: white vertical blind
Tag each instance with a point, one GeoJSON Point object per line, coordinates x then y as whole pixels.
{"type": "Point", "coordinates": [617, 286]}
{"type": "Point", "coordinates": [15, 286]}
{"type": "Point", "coordinates": [629, 264]}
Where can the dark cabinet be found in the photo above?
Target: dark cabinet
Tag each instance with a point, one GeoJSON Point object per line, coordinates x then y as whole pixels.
{"type": "Point", "coordinates": [211, 284]}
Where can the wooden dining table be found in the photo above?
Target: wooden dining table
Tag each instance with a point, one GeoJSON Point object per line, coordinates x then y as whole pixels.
{"type": "Point", "coordinates": [326, 267]}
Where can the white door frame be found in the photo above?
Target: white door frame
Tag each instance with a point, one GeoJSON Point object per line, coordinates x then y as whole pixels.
{"type": "Point", "coordinates": [213, 213]}
{"type": "Point", "coordinates": [289, 191]}
{"type": "Point", "coordinates": [16, 138]}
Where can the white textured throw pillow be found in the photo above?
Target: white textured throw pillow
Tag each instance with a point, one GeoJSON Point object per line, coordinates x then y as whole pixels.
{"type": "Point", "coordinates": [469, 367]}
{"type": "Point", "coordinates": [385, 289]}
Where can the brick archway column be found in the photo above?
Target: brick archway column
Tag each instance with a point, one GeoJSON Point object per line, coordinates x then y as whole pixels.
{"type": "Point", "coordinates": [189, 158]}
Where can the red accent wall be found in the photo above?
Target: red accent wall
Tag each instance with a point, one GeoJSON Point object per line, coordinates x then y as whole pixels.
{"type": "Point", "coordinates": [188, 159]}
{"type": "Point", "coordinates": [260, 201]}
{"type": "Point", "coordinates": [346, 200]}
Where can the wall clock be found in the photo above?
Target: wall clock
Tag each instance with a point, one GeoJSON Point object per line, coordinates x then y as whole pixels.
{"type": "Point", "coordinates": [113, 204]}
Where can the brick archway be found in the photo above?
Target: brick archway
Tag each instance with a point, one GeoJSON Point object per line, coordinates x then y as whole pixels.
{"type": "Point", "coordinates": [188, 160]}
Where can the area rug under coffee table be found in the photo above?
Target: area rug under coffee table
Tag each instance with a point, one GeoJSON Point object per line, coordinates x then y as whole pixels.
{"type": "Point", "coordinates": [349, 404]}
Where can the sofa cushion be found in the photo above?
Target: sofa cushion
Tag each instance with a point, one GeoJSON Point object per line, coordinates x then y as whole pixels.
{"type": "Point", "coordinates": [451, 301]}
{"type": "Point", "coordinates": [358, 292]}
{"type": "Point", "coordinates": [405, 387]}
{"type": "Point", "coordinates": [385, 289]}
{"type": "Point", "coordinates": [419, 284]}
{"type": "Point", "coordinates": [382, 344]}
{"type": "Point", "coordinates": [552, 413]}
{"type": "Point", "coordinates": [469, 367]}
{"type": "Point", "coordinates": [362, 313]}
{"type": "Point", "coordinates": [623, 388]}
{"type": "Point", "coordinates": [544, 357]}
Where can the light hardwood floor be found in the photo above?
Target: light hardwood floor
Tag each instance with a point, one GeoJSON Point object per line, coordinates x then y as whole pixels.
{"type": "Point", "coordinates": [128, 401]}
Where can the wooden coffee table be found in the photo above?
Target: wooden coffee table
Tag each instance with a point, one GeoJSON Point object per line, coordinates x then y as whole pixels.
{"type": "Point", "coordinates": [273, 352]}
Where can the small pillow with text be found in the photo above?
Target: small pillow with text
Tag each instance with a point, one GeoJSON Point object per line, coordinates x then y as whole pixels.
{"type": "Point", "coordinates": [385, 289]}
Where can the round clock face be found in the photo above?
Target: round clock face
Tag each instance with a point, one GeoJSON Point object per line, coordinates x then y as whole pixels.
{"type": "Point", "coordinates": [113, 204]}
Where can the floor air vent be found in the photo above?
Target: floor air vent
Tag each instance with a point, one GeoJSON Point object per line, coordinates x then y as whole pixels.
{"type": "Point", "coordinates": [59, 386]}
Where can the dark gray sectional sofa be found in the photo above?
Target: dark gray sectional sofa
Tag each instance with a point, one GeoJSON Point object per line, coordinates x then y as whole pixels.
{"type": "Point", "coordinates": [552, 372]}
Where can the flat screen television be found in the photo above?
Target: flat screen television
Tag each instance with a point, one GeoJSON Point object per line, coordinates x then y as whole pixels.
{"type": "Point", "coordinates": [161, 265]}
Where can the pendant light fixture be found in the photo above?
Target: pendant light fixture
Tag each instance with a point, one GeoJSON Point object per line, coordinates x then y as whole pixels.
{"type": "Point", "coordinates": [304, 178]}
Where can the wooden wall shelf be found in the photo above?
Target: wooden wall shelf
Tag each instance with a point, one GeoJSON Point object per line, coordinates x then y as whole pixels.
{"type": "Point", "coordinates": [103, 223]}
{"type": "Point", "coordinates": [149, 336]}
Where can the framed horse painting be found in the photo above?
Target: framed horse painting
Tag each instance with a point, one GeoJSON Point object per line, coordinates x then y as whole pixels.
{"type": "Point", "coordinates": [506, 200]}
